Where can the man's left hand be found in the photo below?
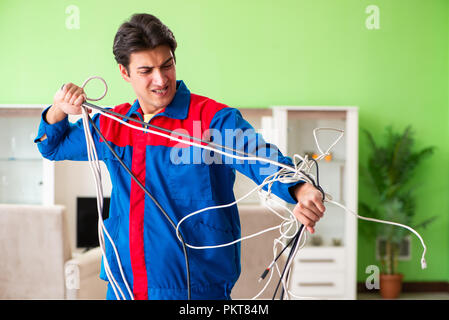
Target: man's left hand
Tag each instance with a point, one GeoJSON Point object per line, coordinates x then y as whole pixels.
{"type": "Point", "coordinates": [309, 209]}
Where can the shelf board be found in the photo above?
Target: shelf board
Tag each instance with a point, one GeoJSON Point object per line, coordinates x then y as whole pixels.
{"type": "Point", "coordinates": [19, 159]}
{"type": "Point", "coordinates": [16, 106]}
{"type": "Point", "coordinates": [333, 161]}
{"type": "Point", "coordinates": [307, 115]}
{"type": "Point", "coordinates": [255, 112]}
{"type": "Point", "coordinates": [315, 108]}
{"type": "Point", "coordinates": [20, 112]}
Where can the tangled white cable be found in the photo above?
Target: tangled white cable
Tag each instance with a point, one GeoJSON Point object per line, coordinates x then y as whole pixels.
{"type": "Point", "coordinates": [286, 174]}
{"type": "Point", "coordinates": [96, 171]}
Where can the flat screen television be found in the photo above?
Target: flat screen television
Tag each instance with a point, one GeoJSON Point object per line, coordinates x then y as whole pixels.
{"type": "Point", "coordinates": [87, 221]}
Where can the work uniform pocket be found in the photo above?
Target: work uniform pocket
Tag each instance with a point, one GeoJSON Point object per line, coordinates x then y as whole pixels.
{"type": "Point", "coordinates": [189, 181]}
{"type": "Point", "coordinates": [214, 265]}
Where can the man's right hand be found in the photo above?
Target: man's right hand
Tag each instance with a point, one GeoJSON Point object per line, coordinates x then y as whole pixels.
{"type": "Point", "coordinates": [67, 100]}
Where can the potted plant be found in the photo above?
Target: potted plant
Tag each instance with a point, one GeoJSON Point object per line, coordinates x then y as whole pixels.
{"type": "Point", "coordinates": [389, 170]}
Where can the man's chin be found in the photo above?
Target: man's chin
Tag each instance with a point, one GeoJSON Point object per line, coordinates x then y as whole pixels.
{"type": "Point", "coordinates": [155, 105]}
{"type": "Point", "coordinates": [162, 102]}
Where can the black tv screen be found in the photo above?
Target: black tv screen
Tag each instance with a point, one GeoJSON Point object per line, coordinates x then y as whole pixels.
{"type": "Point", "coordinates": [87, 221]}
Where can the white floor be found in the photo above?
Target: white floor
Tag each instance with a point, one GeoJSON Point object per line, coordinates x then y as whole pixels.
{"type": "Point", "coordinates": [408, 296]}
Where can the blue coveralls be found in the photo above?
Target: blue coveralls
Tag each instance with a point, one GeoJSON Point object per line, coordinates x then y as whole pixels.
{"type": "Point", "coordinates": [183, 179]}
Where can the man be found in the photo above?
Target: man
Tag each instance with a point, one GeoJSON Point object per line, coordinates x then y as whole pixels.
{"type": "Point", "coordinates": [150, 253]}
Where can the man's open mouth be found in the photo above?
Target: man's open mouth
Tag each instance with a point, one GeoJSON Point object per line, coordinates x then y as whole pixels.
{"type": "Point", "coordinates": [160, 91]}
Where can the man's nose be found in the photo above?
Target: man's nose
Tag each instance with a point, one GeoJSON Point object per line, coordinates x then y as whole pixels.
{"type": "Point", "coordinates": [158, 77]}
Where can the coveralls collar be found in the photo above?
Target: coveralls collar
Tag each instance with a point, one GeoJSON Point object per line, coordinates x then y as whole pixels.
{"type": "Point", "coordinates": [177, 109]}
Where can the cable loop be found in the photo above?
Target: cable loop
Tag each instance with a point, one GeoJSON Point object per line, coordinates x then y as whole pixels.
{"type": "Point", "coordinates": [105, 87]}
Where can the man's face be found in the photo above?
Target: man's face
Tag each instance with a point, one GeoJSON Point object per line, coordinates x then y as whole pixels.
{"type": "Point", "coordinates": [152, 74]}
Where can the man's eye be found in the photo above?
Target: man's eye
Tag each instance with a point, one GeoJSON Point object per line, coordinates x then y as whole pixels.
{"type": "Point", "coordinates": [168, 66]}
{"type": "Point", "coordinates": [146, 71]}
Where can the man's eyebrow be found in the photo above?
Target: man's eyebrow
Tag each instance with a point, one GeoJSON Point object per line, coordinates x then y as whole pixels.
{"type": "Point", "coordinates": [148, 67]}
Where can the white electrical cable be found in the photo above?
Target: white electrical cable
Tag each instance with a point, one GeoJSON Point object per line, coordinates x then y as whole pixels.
{"type": "Point", "coordinates": [273, 265]}
{"type": "Point", "coordinates": [287, 268]}
{"type": "Point", "coordinates": [93, 161]}
{"type": "Point", "coordinates": [423, 259]}
{"type": "Point", "coordinates": [96, 171]}
{"type": "Point", "coordinates": [286, 174]}
{"type": "Point", "coordinates": [229, 205]}
{"type": "Point", "coordinates": [195, 144]}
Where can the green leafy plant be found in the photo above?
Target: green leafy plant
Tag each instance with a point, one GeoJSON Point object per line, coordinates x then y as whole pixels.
{"type": "Point", "coordinates": [389, 170]}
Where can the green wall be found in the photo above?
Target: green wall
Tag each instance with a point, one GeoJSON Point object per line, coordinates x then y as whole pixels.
{"type": "Point", "coordinates": [259, 53]}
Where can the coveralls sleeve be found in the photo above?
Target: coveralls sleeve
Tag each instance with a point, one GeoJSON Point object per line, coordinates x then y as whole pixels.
{"type": "Point", "coordinates": [236, 133]}
{"type": "Point", "coordinates": [66, 140]}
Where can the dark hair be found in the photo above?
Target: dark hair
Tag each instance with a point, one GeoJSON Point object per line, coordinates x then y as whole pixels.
{"type": "Point", "coordinates": [143, 31]}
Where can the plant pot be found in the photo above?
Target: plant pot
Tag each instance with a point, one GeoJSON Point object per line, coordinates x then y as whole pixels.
{"type": "Point", "coordinates": [390, 285]}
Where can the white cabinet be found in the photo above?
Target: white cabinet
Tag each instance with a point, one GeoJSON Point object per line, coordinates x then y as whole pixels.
{"type": "Point", "coordinates": [319, 272]}
{"type": "Point", "coordinates": [327, 270]}
{"type": "Point", "coordinates": [25, 177]}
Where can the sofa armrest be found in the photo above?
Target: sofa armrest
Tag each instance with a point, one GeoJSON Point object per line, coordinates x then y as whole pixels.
{"type": "Point", "coordinates": [82, 276]}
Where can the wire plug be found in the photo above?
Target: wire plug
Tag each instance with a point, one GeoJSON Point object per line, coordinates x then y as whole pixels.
{"type": "Point", "coordinates": [264, 274]}
{"type": "Point", "coordinates": [423, 263]}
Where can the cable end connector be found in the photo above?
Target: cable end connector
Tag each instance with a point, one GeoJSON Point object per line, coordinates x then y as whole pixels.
{"type": "Point", "coordinates": [264, 274]}
{"type": "Point", "coordinates": [423, 264]}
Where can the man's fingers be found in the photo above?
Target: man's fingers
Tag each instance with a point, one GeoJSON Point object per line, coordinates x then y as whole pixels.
{"type": "Point", "coordinates": [312, 215]}
{"type": "Point", "coordinates": [308, 214]}
{"type": "Point", "coordinates": [79, 101]}
{"type": "Point", "coordinates": [76, 95]}
{"type": "Point", "coordinates": [314, 206]}
{"type": "Point", "coordinates": [319, 208]}
{"type": "Point", "coordinates": [319, 204]}
{"type": "Point", "coordinates": [305, 220]}
{"type": "Point", "coordinates": [316, 199]}
{"type": "Point", "coordinates": [310, 208]}
{"type": "Point", "coordinates": [70, 92]}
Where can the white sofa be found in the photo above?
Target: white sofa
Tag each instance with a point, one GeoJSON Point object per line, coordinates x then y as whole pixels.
{"type": "Point", "coordinates": [36, 261]}
{"type": "Point", "coordinates": [82, 276]}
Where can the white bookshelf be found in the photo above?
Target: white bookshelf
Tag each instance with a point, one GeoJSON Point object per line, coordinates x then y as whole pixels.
{"type": "Point", "coordinates": [25, 177]}
{"type": "Point", "coordinates": [327, 270]}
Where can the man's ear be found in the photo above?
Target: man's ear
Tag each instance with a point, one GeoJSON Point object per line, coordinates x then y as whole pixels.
{"type": "Point", "coordinates": [124, 72]}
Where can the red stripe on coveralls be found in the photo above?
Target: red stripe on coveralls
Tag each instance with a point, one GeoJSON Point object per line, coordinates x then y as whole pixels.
{"type": "Point", "coordinates": [115, 132]}
{"type": "Point", "coordinates": [201, 111]}
{"type": "Point", "coordinates": [136, 225]}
